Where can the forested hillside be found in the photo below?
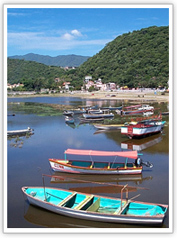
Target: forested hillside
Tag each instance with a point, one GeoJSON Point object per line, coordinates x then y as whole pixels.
{"type": "Point", "coordinates": [132, 59]}
{"type": "Point", "coordinates": [33, 75]}
{"type": "Point", "coordinates": [137, 59]}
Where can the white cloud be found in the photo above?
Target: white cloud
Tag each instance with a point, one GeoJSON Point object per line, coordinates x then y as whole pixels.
{"type": "Point", "coordinates": [67, 36]}
{"type": "Point", "coordinates": [33, 40]}
{"type": "Point", "coordinates": [76, 33]}
{"type": "Point", "coordinates": [73, 34]}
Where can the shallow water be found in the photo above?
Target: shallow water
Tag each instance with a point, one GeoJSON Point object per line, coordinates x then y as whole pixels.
{"type": "Point", "coordinates": [28, 160]}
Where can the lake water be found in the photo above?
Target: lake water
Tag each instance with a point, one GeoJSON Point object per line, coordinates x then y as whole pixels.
{"type": "Point", "coordinates": [27, 160]}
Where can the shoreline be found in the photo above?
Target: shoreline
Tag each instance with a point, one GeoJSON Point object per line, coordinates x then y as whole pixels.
{"type": "Point", "coordinates": [135, 96]}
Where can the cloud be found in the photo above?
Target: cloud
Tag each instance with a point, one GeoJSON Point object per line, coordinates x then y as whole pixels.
{"type": "Point", "coordinates": [38, 40]}
{"type": "Point", "coordinates": [73, 34]}
{"type": "Point", "coordinates": [67, 36]}
{"type": "Point", "coordinates": [76, 33]}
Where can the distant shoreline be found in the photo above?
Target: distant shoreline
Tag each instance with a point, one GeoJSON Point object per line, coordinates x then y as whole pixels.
{"type": "Point", "coordinates": [123, 95]}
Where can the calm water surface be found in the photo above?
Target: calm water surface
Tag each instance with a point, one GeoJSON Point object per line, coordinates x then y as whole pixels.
{"type": "Point", "coordinates": [28, 160]}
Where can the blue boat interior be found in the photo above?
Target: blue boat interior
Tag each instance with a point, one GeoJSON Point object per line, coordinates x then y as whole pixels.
{"type": "Point", "coordinates": [92, 203]}
{"type": "Point", "coordinates": [100, 165]}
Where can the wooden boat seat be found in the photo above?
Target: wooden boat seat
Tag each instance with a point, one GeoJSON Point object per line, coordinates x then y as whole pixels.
{"type": "Point", "coordinates": [94, 207]}
{"type": "Point", "coordinates": [119, 210]}
{"type": "Point", "coordinates": [82, 204]}
{"type": "Point", "coordinates": [63, 202]}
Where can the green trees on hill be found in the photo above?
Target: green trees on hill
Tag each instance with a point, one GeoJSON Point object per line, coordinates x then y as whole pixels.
{"type": "Point", "coordinates": [136, 59]}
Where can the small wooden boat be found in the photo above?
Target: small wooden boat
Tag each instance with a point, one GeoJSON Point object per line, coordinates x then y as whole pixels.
{"type": "Point", "coordinates": [96, 208]}
{"type": "Point", "coordinates": [135, 110]}
{"type": "Point", "coordinates": [68, 113]}
{"type": "Point", "coordinates": [142, 129]}
{"type": "Point", "coordinates": [108, 127]}
{"type": "Point", "coordinates": [111, 108]}
{"type": "Point", "coordinates": [20, 132]}
{"type": "Point", "coordinates": [69, 120]}
{"type": "Point", "coordinates": [146, 108]}
{"type": "Point", "coordinates": [90, 120]}
{"type": "Point", "coordinates": [97, 167]}
{"type": "Point", "coordinates": [105, 114]}
{"type": "Point", "coordinates": [165, 113]}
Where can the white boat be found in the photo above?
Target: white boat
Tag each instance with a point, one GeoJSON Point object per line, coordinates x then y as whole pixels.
{"type": "Point", "coordinates": [69, 119]}
{"type": "Point", "coordinates": [94, 207]}
{"type": "Point", "coordinates": [20, 132]}
{"type": "Point", "coordinates": [146, 108]}
{"type": "Point", "coordinates": [141, 129]}
{"type": "Point", "coordinates": [108, 127]}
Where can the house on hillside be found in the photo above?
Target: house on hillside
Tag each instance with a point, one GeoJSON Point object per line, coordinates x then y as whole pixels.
{"type": "Point", "coordinates": [110, 86]}
{"type": "Point", "coordinates": [89, 84]}
{"type": "Point", "coordinates": [88, 78]}
{"type": "Point", "coordinates": [11, 86]}
{"type": "Point", "coordinates": [66, 85]}
{"type": "Point", "coordinates": [99, 85]}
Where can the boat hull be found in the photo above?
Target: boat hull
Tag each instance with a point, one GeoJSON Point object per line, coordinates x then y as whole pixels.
{"type": "Point", "coordinates": [63, 166]}
{"type": "Point", "coordinates": [138, 132]}
{"type": "Point", "coordinates": [92, 215]}
{"type": "Point", "coordinates": [96, 116]}
{"type": "Point", "coordinates": [20, 132]}
{"type": "Point", "coordinates": [108, 127]}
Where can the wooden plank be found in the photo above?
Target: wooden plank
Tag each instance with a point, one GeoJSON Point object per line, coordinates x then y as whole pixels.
{"type": "Point", "coordinates": [94, 207]}
{"type": "Point", "coordinates": [84, 202]}
{"type": "Point", "coordinates": [67, 199]}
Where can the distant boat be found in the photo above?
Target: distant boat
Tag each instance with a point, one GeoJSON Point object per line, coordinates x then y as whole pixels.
{"type": "Point", "coordinates": [69, 119]}
{"type": "Point", "coordinates": [94, 207]}
{"type": "Point", "coordinates": [142, 129]}
{"type": "Point", "coordinates": [95, 167]}
{"type": "Point", "coordinates": [105, 114]}
{"type": "Point", "coordinates": [112, 108]}
{"type": "Point", "coordinates": [136, 109]}
{"type": "Point", "coordinates": [20, 132]}
{"type": "Point", "coordinates": [78, 111]}
{"type": "Point", "coordinates": [165, 113]}
{"type": "Point", "coordinates": [108, 127]}
{"type": "Point", "coordinates": [90, 120]}
{"type": "Point", "coordinates": [68, 113]}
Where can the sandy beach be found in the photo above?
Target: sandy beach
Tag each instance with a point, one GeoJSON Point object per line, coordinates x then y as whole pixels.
{"type": "Point", "coordinates": [118, 95]}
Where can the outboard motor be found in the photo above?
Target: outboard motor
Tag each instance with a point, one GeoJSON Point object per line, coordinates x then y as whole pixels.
{"type": "Point", "coordinates": [140, 162]}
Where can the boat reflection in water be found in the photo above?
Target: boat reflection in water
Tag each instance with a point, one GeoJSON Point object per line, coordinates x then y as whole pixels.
{"type": "Point", "coordinates": [144, 143]}
{"type": "Point", "coordinates": [41, 217]}
{"type": "Point", "coordinates": [101, 180]}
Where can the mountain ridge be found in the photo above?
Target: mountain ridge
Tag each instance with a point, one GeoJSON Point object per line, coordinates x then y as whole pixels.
{"type": "Point", "coordinates": [70, 60]}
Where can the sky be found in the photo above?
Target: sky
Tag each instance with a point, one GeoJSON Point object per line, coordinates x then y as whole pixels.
{"type": "Point", "coordinates": [80, 31]}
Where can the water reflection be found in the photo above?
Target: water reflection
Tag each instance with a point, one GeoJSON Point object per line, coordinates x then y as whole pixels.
{"type": "Point", "coordinates": [144, 143]}
{"type": "Point", "coordinates": [52, 137]}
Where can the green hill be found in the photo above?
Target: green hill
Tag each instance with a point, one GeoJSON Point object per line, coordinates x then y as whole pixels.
{"type": "Point", "coordinates": [140, 58]}
{"type": "Point", "coordinates": [33, 75]}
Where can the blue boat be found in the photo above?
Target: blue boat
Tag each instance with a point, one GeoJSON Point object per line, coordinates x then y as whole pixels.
{"type": "Point", "coordinates": [94, 207]}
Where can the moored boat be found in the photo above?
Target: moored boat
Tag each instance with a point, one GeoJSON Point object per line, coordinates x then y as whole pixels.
{"type": "Point", "coordinates": [69, 119]}
{"type": "Point", "coordinates": [108, 127]}
{"type": "Point", "coordinates": [94, 207]}
{"type": "Point", "coordinates": [142, 129]}
{"type": "Point", "coordinates": [105, 114]}
{"type": "Point", "coordinates": [99, 167]}
{"type": "Point", "coordinates": [20, 132]}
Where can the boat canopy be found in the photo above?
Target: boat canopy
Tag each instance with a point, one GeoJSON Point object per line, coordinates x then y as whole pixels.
{"type": "Point", "coordinates": [129, 154]}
